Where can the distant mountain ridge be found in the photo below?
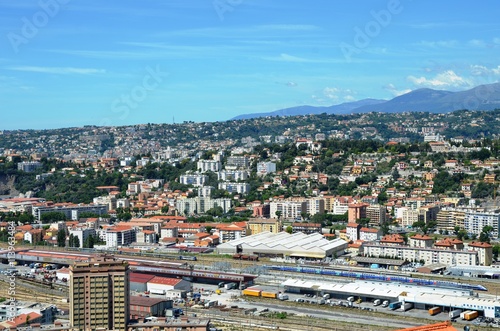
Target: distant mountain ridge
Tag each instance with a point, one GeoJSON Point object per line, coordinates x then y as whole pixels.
{"type": "Point", "coordinates": [482, 97]}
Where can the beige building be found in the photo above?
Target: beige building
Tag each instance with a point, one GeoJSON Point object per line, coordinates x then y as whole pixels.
{"type": "Point", "coordinates": [258, 225]}
{"type": "Point", "coordinates": [99, 294]}
{"type": "Point", "coordinates": [427, 255]}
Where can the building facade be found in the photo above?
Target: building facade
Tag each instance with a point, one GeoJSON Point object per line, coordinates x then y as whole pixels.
{"type": "Point", "coordinates": [99, 294]}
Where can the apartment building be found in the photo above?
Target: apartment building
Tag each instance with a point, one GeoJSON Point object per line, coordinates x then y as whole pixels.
{"type": "Point", "coordinates": [71, 211]}
{"type": "Point", "coordinates": [200, 205]}
{"type": "Point", "coordinates": [315, 206]}
{"type": "Point", "coordinates": [427, 255]}
{"type": "Point", "coordinates": [377, 214]}
{"type": "Point", "coordinates": [238, 162]}
{"type": "Point", "coordinates": [287, 208]}
{"type": "Point", "coordinates": [306, 228]}
{"type": "Point", "coordinates": [258, 225]}
{"type": "Point", "coordinates": [99, 294]}
{"type": "Point", "coordinates": [197, 180]}
{"type": "Point", "coordinates": [209, 165]}
{"type": "Point", "coordinates": [264, 168]}
{"type": "Point", "coordinates": [475, 221]}
{"type": "Point", "coordinates": [120, 236]}
{"type": "Point", "coordinates": [232, 187]}
{"type": "Point", "coordinates": [232, 175]}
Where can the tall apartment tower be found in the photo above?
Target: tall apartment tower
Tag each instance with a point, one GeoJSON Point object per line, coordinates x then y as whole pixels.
{"type": "Point", "coordinates": [99, 294]}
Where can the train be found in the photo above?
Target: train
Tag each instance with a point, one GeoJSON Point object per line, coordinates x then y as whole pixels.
{"type": "Point", "coordinates": [377, 277]}
{"type": "Point", "coordinates": [246, 257]}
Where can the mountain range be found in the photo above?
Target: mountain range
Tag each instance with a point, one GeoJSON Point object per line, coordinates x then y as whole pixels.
{"type": "Point", "coordinates": [482, 97]}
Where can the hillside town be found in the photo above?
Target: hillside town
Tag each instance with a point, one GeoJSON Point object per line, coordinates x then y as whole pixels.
{"type": "Point", "coordinates": [432, 202]}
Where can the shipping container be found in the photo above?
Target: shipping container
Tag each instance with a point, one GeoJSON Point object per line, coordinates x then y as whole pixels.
{"type": "Point", "coordinates": [469, 316]}
{"type": "Point", "coordinates": [434, 311]}
{"type": "Point", "coordinates": [272, 295]}
{"type": "Point", "coordinates": [252, 292]}
{"type": "Point", "coordinates": [462, 314]}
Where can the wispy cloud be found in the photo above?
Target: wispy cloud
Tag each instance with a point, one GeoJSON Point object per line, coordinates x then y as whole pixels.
{"type": "Point", "coordinates": [334, 95]}
{"type": "Point", "coordinates": [395, 91]}
{"type": "Point", "coordinates": [59, 70]}
{"type": "Point", "coordinates": [438, 43]}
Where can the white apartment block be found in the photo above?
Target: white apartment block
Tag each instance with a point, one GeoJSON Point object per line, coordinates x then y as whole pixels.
{"type": "Point", "coordinates": [120, 237]}
{"type": "Point", "coordinates": [475, 221]}
{"type": "Point", "coordinates": [232, 175]}
{"type": "Point", "coordinates": [264, 168]}
{"type": "Point", "coordinates": [316, 206]}
{"type": "Point", "coordinates": [238, 162]}
{"type": "Point", "coordinates": [428, 255]}
{"type": "Point", "coordinates": [200, 205]}
{"type": "Point", "coordinates": [209, 165]}
{"type": "Point", "coordinates": [82, 234]}
{"type": "Point", "coordinates": [231, 187]}
{"type": "Point", "coordinates": [288, 209]}
{"type": "Point", "coordinates": [197, 180]}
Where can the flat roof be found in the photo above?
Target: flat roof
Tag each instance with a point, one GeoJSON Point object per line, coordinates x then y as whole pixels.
{"type": "Point", "coordinates": [374, 260]}
{"type": "Point", "coordinates": [145, 301]}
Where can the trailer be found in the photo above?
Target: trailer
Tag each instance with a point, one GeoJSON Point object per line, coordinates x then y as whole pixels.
{"type": "Point", "coordinates": [252, 292]}
{"type": "Point", "coordinates": [434, 311]}
{"type": "Point", "coordinates": [377, 302]}
{"type": "Point", "coordinates": [406, 306]}
{"type": "Point", "coordinates": [385, 303]}
{"type": "Point", "coordinates": [350, 299]}
{"type": "Point", "coordinates": [465, 312]}
{"type": "Point", "coordinates": [470, 315]}
{"type": "Point", "coordinates": [455, 313]}
{"type": "Point", "coordinates": [395, 305]}
{"type": "Point", "coordinates": [266, 294]}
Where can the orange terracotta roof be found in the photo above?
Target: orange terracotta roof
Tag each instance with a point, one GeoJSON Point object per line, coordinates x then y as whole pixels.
{"type": "Point", "coordinates": [443, 326]}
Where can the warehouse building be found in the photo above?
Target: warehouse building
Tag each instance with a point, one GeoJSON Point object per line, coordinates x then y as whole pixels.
{"type": "Point", "coordinates": [141, 307]}
{"type": "Point", "coordinates": [298, 245]}
{"type": "Point", "coordinates": [422, 297]}
{"type": "Point", "coordinates": [163, 285]}
{"type": "Point", "coordinates": [139, 282]}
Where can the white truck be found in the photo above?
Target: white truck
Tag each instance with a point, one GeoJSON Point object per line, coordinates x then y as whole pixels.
{"type": "Point", "coordinates": [385, 303]}
{"type": "Point", "coordinates": [455, 313]}
{"type": "Point", "coordinates": [377, 302]}
{"type": "Point", "coordinates": [282, 296]}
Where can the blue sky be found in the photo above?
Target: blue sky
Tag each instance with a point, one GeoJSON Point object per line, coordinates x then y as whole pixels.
{"type": "Point", "coordinates": [67, 63]}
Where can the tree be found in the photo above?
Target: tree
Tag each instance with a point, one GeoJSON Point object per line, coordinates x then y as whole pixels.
{"type": "Point", "coordinates": [278, 214]}
{"type": "Point", "coordinates": [52, 216]}
{"type": "Point", "coordinates": [363, 221]}
{"type": "Point", "coordinates": [164, 209]}
{"type": "Point", "coordinates": [289, 229]}
{"type": "Point", "coordinates": [61, 238]}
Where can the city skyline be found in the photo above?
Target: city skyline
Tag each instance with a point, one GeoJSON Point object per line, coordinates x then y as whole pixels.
{"type": "Point", "coordinates": [71, 63]}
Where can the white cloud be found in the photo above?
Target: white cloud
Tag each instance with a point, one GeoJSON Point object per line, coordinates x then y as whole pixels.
{"type": "Point", "coordinates": [479, 70]}
{"type": "Point", "coordinates": [394, 91]}
{"type": "Point", "coordinates": [335, 95]}
{"type": "Point", "coordinates": [59, 70]}
{"type": "Point", "coordinates": [445, 79]}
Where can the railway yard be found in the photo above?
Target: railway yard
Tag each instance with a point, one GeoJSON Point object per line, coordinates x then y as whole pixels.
{"type": "Point", "coordinates": [303, 309]}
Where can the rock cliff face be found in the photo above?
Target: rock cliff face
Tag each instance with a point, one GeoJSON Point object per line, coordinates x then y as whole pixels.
{"type": "Point", "coordinates": [7, 185]}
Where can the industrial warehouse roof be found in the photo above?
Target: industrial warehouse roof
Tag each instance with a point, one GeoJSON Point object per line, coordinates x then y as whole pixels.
{"type": "Point", "coordinates": [295, 245]}
{"type": "Point", "coordinates": [145, 301]}
{"type": "Point", "coordinates": [136, 277]}
{"type": "Point", "coordinates": [432, 296]}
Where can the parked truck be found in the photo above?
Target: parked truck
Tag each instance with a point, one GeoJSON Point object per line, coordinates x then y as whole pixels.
{"type": "Point", "coordinates": [230, 286]}
{"type": "Point", "coordinates": [385, 303]}
{"type": "Point", "coordinates": [434, 311]}
{"type": "Point", "coordinates": [395, 305]}
{"type": "Point", "coordinates": [462, 314]}
{"type": "Point", "coordinates": [470, 315]}
{"type": "Point", "coordinates": [406, 306]}
{"type": "Point", "coordinates": [455, 313]}
{"type": "Point", "coordinates": [326, 296]}
{"type": "Point", "coordinates": [377, 302]}
{"type": "Point", "coordinates": [350, 299]}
